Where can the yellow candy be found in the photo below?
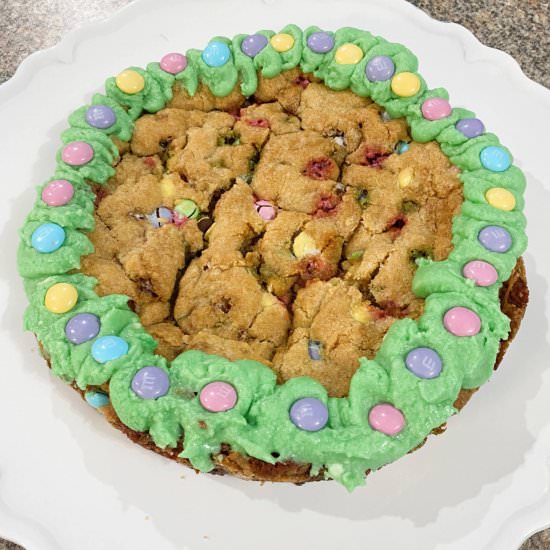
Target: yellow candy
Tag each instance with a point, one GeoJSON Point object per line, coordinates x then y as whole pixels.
{"type": "Point", "coordinates": [348, 54]}
{"type": "Point", "coordinates": [405, 84]}
{"type": "Point", "coordinates": [282, 42]}
{"type": "Point", "coordinates": [61, 298]}
{"type": "Point", "coordinates": [405, 177]}
{"type": "Point", "coordinates": [501, 198]}
{"type": "Point", "coordinates": [130, 82]}
{"type": "Point", "coordinates": [304, 245]}
{"type": "Point", "coordinates": [360, 313]}
{"type": "Point", "coordinates": [167, 189]}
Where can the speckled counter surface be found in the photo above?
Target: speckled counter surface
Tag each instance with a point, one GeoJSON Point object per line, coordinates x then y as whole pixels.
{"type": "Point", "coordinates": [519, 28]}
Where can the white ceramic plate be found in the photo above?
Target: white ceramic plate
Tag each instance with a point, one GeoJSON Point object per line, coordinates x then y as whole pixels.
{"type": "Point", "coordinates": [69, 481]}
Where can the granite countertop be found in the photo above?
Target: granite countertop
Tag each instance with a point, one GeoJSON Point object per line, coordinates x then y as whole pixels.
{"type": "Point", "coordinates": [519, 28]}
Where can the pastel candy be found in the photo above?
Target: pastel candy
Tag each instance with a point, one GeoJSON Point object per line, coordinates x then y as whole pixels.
{"type": "Point", "coordinates": [265, 210]}
{"type": "Point", "coordinates": [470, 127]}
{"type": "Point", "coordinates": [109, 348]}
{"type": "Point", "coordinates": [314, 350]}
{"type": "Point", "coordinates": [304, 245]}
{"type": "Point", "coordinates": [100, 116]}
{"type": "Point", "coordinates": [218, 396]}
{"type": "Point", "coordinates": [161, 216]}
{"type": "Point", "coordinates": [130, 82]}
{"type": "Point", "coordinates": [385, 418]}
{"type": "Point", "coordinates": [187, 208]}
{"type": "Point", "coordinates": [282, 42]}
{"type": "Point", "coordinates": [96, 399]}
{"type": "Point", "coordinates": [82, 328]}
{"type": "Point", "coordinates": [495, 158]}
{"type": "Point", "coordinates": [253, 44]}
{"type": "Point", "coordinates": [436, 108]}
{"type": "Point", "coordinates": [58, 193]}
{"type": "Point", "coordinates": [402, 147]}
{"type": "Point", "coordinates": [309, 414]}
{"type": "Point", "coordinates": [501, 198]}
{"type": "Point", "coordinates": [320, 42]}
{"type": "Point", "coordinates": [483, 273]}
{"type": "Point", "coordinates": [216, 54]}
{"type": "Point", "coordinates": [380, 68]}
{"type": "Point", "coordinates": [150, 382]}
{"type": "Point", "coordinates": [462, 321]}
{"type": "Point", "coordinates": [173, 63]}
{"type": "Point", "coordinates": [60, 298]}
{"type": "Point", "coordinates": [405, 84]}
{"type": "Point", "coordinates": [495, 238]}
{"type": "Point", "coordinates": [424, 363]}
{"type": "Point", "coordinates": [348, 54]}
{"type": "Point", "coordinates": [77, 153]}
{"type": "Point", "coordinates": [47, 238]}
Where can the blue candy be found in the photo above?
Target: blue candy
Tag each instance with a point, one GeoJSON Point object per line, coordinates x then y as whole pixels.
{"type": "Point", "coordinates": [108, 348]}
{"type": "Point", "coordinates": [314, 350]}
{"type": "Point", "coordinates": [216, 54]}
{"type": "Point", "coordinates": [402, 147]}
{"type": "Point", "coordinates": [96, 399]}
{"type": "Point", "coordinates": [495, 158]}
{"type": "Point", "coordinates": [47, 238]}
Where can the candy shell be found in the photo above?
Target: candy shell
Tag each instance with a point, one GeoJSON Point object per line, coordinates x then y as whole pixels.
{"type": "Point", "coordinates": [282, 42]}
{"type": "Point", "coordinates": [424, 363]}
{"type": "Point", "coordinates": [96, 399]}
{"type": "Point", "coordinates": [436, 108]}
{"type": "Point", "coordinates": [405, 84]}
{"type": "Point", "coordinates": [314, 350]}
{"type": "Point", "coordinates": [77, 153]}
{"type": "Point", "coordinates": [348, 54]}
{"type": "Point", "coordinates": [501, 198]}
{"type": "Point", "coordinates": [470, 127]}
{"type": "Point", "coordinates": [385, 418]}
{"type": "Point", "coordinates": [304, 245]}
{"type": "Point", "coordinates": [173, 63]}
{"type": "Point", "coordinates": [380, 68]}
{"type": "Point", "coordinates": [47, 238]}
{"type": "Point", "coordinates": [100, 116]}
{"type": "Point", "coordinates": [253, 44]}
{"type": "Point", "coordinates": [495, 238]}
{"type": "Point", "coordinates": [150, 382]}
{"type": "Point", "coordinates": [58, 193]}
{"type": "Point", "coordinates": [187, 208]}
{"type": "Point", "coordinates": [109, 348]}
{"type": "Point", "coordinates": [483, 273]}
{"type": "Point", "coordinates": [495, 158]}
{"type": "Point", "coordinates": [81, 328]}
{"type": "Point", "coordinates": [309, 414]}
{"type": "Point", "coordinates": [216, 54]}
{"type": "Point", "coordinates": [60, 298]}
{"type": "Point", "coordinates": [265, 210]}
{"type": "Point", "coordinates": [161, 216]}
{"type": "Point", "coordinates": [218, 396]}
{"type": "Point", "coordinates": [405, 177]}
{"type": "Point", "coordinates": [130, 82]}
{"type": "Point", "coordinates": [320, 42]}
{"type": "Point", "coordinates": [462, 321]}
{"type": "Point", "coordinates": [402, 147]}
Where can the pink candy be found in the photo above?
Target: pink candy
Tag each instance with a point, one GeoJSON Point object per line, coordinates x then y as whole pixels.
{"type": "Point", "coordinates": [483, 273]}
{"type": "Point", "coordinates": [173, 63]}
{"type": "Point", "coordinates": [266, 210]}
{"type": "Point", "coordinates": [436, 108]}
{"type": "Point", "coordinates": [462, 321]}
{"type": "Point", "coordinates": [387, 419]}
{"type": "Point", "coordinates": [58, 193]}
{"type": "Point", "coordinates": [218, 397]}
{"type": "Point", "coordinates": [77, 153]}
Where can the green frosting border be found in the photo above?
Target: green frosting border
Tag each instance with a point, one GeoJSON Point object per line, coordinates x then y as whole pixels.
{"type": "Point", "coordinates": [259, 424]}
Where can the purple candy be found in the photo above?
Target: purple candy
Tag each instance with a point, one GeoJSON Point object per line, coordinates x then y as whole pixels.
{"type": "Point", "coordinates": [423, 362]}
{"type": "Point", "coordinates": [150, 382]}
{"type": "Point", "coordinates": [100, 116]}
{"type": "Point", "coordinates": [320, 42]}
{"type": "Point", "coordinates": [380, 68]}
{"type": "Point", "coordinates": [253, 44]}
{"type": "Point", "coordinates": [309, 414]}
{"type": "Point", "coordinates": [470, 127]}
{"type": "Point", "coordinates": [495, 238]}
{"type": "Point", "coordinates": [314, 350]}
{"type": "Point", "coordinates": [82, 328]}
